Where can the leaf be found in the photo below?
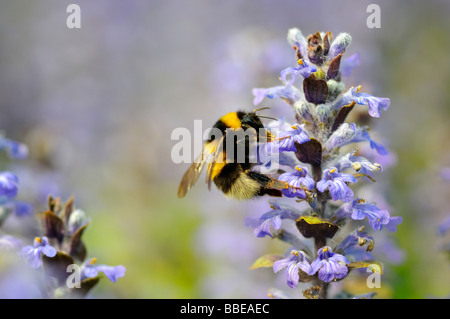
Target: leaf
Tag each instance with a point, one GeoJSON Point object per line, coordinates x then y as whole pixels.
{"type": "Point", "coordinates": [327, 42]}
{"type": "Point", "coordinates": [315, 50]}
{"type": "Point", "coordinates": [53, 226]}
{"type": "Point", "coordinates": [333, 68]}
{"type": "Point", "coordinates": [68, 208]}
{"type": "Point", "coordinates": [57, 266]}
{"type": "Point", "coordinates": [54, 204]}
{"type": "Point", "coordinates": [312, 226]}
{"type": "Point", "coordinates": [309, 152]}
{"type": "Point", "coordinates": [86, 285]}
{"type": "Point", "coordinates": [265, 261]}
{"type": "Point", "coordinates": [374, 265]}
{"type": "Point", "coordinates": [316, 90]}
{"type": "Point", "coordinates": [342, 115]}
{"type": "Point", "coordinates": [77, 247]}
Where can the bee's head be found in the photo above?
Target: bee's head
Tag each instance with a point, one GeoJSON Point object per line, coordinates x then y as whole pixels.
{"type": "Point", "coordinates": [251, 120]}
{"type": "Point", "coordinates": [256, 119]}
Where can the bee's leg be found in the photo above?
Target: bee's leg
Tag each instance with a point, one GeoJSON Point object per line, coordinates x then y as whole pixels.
{"type": "Point", "coordinates": [266, 181]}
{"type": "Point", "coordinates": [270, 192]}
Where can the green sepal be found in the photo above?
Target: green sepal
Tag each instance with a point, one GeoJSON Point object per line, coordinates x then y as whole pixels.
{"type": "Point", "coordinates": [366, 264]}
{"type": "Point", "coordinates": [77, 247]}
{"type": "Point", "coordinates": [313, 226]}
{"type": "Point", "coordinates": [53, 226]}
{"type": "Point", "coordinates": [57, 266]}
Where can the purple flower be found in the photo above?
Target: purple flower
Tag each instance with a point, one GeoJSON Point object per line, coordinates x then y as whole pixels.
{"type": "Point", "coordinates": [8, 242]}
{"type": "Point", "coordinates": [8, 186]}
{"type": "Point", "coordinates": [305, 69]}
{"type": "Point", "coordinates": [296, 260]}
{"type": "Point", "coordinates": [381, 150]}
{"type": "Point", "coordinates": [14, 149]}
{"type": "Point", "coordinates": [350, 133]}
{"type": "Point", "coordinates": [330, 265]}
{"type": "Point", "coordinates": [355, 239]}
{"type": "Point", "coordinates": [22, 209]}
{"type": "Point", "coordinates": [285, 141]}
{"type": "Point", "coordinates": [445, 173]}
{"type": "Point", "coordinates": [91, 270]}
{"type": "Point", "coordinates": [349, 64]}
{"type": "Point", "coordinates": [297, 179]}
{"type": "Point", "coordinates": [338, 46]}
{"type": "Point", "coordinates": [273, 218]}
{"type": "Point", "coordinates": [376, 104]}
{"type": "Point", "coordinates": [298, 41]}
{"type": "Point", "coordinates": [288, 93]}
{"type": "Point", "coordinates": [335, 182]}
{"type": "Point", "coordinates": [444, 227]}
{"type": "Point", "coordinates": [19, 208]}
{"type": "Point", "coordinates": [359, 163]}
{"type": "Point", "coordinates": [358, 210]}
{"type": "Point", "coordinates": [33, 252]}
{"type": "Point", "coordinates": [393, 222]}
{"type": "Point", "coordinates": [344, 135]}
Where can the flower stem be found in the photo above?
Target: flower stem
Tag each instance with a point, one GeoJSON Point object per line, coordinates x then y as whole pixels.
{"type": "Point", "coordinates": [323, 293]}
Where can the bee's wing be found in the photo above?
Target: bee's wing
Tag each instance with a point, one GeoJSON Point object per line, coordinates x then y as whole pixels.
{"type": "Point", "coordinates": [191, 176]}
{"type": "Point", "coordinates": [218, 149]}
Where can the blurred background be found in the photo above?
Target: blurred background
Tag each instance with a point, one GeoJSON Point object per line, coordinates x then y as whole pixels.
{"type": "Point", "coordinates": [97, 106]}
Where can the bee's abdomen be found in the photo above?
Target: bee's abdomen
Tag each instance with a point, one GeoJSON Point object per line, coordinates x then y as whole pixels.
{"type": "Point", "coordinates": [233, 182]}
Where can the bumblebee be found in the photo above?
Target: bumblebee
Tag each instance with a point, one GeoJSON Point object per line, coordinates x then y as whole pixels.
{"type": "Point", "coordinates": [232, 176]}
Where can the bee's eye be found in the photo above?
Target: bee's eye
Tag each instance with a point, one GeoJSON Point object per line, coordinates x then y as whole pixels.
{"type": "Point", "coordinates": [247, 121]}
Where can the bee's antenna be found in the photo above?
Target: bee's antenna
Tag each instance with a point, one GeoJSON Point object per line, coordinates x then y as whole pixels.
{"type": "Point", "coordinates": [268, 117]}
{"type": "Point", "coordinates": [260, 109]}
{"type": "Point", "coordinates": [264, 117]}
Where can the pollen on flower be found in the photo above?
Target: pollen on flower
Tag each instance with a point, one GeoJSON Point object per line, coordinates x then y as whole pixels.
{"type": "Point", "coordinates": [325, 249]}
{"type": "Point", "coordinates": [38, 239]}
{"type": "Point", "coordinates": [294, 253]}
{"type": "Point", "coordinates": [294, 126]}
{"type": "Point", "coordinates": [300, 61]}
{"type": "Point", "coordinates": [93, 261]}
{"type": "Point", "coordinates": [333, 170]}
{"type": "Point", "coordinates": [298, 168]}
{"type": "Point", "coordinates": [353, 103]}
{"type": "Point", "coordinates": [358, 88]}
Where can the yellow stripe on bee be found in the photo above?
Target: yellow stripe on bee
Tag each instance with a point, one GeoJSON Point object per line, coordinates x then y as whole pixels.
{"type": "Point", "coordinates": [231, 120]}
{"type": "Point", "coordinates": [218, 165]}
{"type": "Point", "coordinates": [210, 148]}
